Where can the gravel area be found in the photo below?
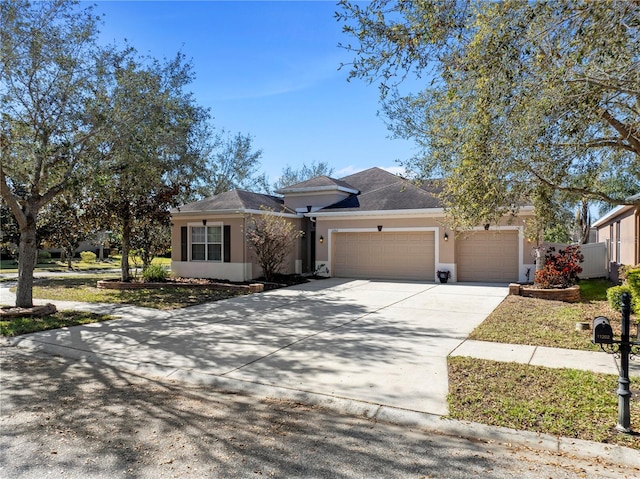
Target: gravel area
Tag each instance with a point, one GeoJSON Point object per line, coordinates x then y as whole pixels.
{"type": "Point", "coordinates": [69, 419]}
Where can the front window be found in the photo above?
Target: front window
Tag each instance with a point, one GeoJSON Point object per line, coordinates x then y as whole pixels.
{"type": "Point", "coordinates": [206, 243]}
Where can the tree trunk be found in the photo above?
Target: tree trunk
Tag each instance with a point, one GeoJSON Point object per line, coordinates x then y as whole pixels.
{"type": "Point", "coordinates": [584, 221]}
{"type": "Point", "coordinates": [126, 245]}
{"type": "Point", "coordinates": [68, 252]}
{"type": "Point", "coordinates": [27, 261]}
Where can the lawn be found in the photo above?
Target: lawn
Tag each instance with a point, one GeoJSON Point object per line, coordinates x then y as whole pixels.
{"type": "Point", "coordinates": [561, 402]}
{"type": "Point", "coordinates": [10, 266]}
{"type": "Point", "coordinates": [83, 288]}
{"type": "Point", "coordinates": [61, 319]}
{"type": "Point", "coordinates": [540, 322]}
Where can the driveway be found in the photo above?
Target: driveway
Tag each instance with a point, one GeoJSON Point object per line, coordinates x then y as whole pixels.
{"type": "Point", "coordinates": [372, 342]}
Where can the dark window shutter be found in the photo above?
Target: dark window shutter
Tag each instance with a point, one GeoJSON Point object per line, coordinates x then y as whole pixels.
{"type": "Point", "coordinates": [183, 244]}
{"type": "Point", "coordinates": [227, 243]}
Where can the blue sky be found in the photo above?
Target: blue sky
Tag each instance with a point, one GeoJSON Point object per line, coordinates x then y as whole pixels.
{"type": "Point", "coordinates": [269, 69]}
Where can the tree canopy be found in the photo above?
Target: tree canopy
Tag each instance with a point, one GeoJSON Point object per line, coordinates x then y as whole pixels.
{"type": "Point", "coordinates": [291, 176]}
{"type": "Point", "coordinates": [516, 101]}
{"type": "Point", "coordinates": [74, 113]}
{"type": "Point", "coordinates": [231, 162]}
{"type": "Point", "coordinates": [50, 64]}
{"type": "Point", "coordinates": [150, 148]}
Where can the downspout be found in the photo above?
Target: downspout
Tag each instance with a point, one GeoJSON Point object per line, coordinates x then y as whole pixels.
{"type": "Point", "coordinates": [637, 236]}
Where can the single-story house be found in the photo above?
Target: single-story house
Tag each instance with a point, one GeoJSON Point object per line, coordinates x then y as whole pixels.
{"type": "Point", "coordinates": [372, 224]}
{"type": "Point", "coordinates": [620, 229]}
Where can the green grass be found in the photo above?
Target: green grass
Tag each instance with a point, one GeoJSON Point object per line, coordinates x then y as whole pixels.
{"type": "Point", "coordinates": [10, 266]}
{"type": "Point", "coordinates": [61, 319]}
{"type": "Point", "coordinates": [540, 322]}
{"type": "Point", "coordinates": [83, 288]}
{"type": "Point", "coordinates": [564, 402]}
{"type": "Point", "coordinates": [594, 289]}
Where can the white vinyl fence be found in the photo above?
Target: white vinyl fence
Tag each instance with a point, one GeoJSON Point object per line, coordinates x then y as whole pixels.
{"type": "Point", "coordinates": [596, 259]}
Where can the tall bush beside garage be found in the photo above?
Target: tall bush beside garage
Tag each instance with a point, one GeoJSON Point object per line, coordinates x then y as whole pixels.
{"type": "Point", "coordinates": [271, 236]}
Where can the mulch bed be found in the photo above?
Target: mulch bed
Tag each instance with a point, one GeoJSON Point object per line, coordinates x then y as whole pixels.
{"type": "Point", "coordinates": [179, 283]}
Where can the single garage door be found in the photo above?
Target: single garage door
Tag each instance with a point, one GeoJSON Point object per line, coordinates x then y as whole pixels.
{"type": "Point", "coordinates": [384, 255]}
{"type": "Point", "coordinates": [487, 256]}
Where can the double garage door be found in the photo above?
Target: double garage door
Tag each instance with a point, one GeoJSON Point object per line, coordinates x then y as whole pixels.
{"type": "Point", "coordinates": [384, 255]}
{"type": "Point", "coordinates": [485, 256]}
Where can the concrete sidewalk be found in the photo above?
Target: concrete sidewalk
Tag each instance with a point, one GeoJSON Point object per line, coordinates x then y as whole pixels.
{"type": "Point", "coordinates": [595, 361]}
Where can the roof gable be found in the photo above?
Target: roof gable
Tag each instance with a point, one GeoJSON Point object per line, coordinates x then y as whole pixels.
{"type": "Point", "coordinates": [234, 200]}
{"type": "Point", "coordinates": [371, 179]}
{"type": "Point", "coordinates": [381, 190]}
{"type": "Point", "coordinates": [318, 184]}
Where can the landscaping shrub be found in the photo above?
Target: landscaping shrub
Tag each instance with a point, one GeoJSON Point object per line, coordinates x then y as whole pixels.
{"type": "Point", "coordinates": [560, 269]}
{"type": "Point", "coordinates": [44, 256]}
{"type": "Point", "coordinates": [625, 269]}
{"type": "Point", "coordinates": [154, 273]}
{"type": "Point", "coordinates": [614, 295]}
{"type": "Point", "coordinates": [633, 280]}
{"type": "Point", "coordinates": [631, 285]}
{"type": "Point", "coordinates": [88, 257]}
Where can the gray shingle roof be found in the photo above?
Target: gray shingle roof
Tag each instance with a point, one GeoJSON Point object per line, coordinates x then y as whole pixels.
{"type": "Point", "coordinates": [234, 200]}
{"type": "Point", "coordinates": [318, 182]}
{"type": "Point", "coordinates": [381, 190]}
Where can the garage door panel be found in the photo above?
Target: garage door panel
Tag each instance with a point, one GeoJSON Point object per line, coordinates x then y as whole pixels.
{"type": "Point", "coordinates": [487, 256]}
{"type": "Point", "coordinates": [384, 255]}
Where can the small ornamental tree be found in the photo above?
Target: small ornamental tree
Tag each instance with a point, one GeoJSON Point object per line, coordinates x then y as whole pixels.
{"type": "Point", "coordinates": [560, 269]}
{"type": "Point", "coordinates": [271, 237]}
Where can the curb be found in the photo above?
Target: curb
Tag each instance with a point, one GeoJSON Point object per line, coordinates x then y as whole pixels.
{"type": "Point", "coordinates": [437, 424]}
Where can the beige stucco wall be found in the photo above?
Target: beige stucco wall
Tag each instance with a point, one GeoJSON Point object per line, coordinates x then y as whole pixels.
{"type": "Point", "coordinates": [243, 265]}
{"type": "Point", "coordinates": [445, 250]}
{"type": "Point", "coordinates": [629, 236]}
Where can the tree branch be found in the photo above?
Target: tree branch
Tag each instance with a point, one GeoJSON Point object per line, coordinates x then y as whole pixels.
{"type": "Point", "coordinates": [583, 191]}
{"type": "Point", "coordinates": [12, 201]}
{"type": "Point", "coordinates": [625, 131]}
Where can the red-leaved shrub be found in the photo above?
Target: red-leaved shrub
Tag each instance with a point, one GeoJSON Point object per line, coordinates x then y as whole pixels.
{"type": "Point", "coordinates": [560, 269]}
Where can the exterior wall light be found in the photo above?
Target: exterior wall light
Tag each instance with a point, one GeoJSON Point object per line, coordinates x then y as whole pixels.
{"type": "Point", "coordinates": [204, 222]}
{"type": "Point", "coordinates": [446, 237]}
{"type": "Point", "coordinates": [321, 239]}
{"type": "Point", "coordinates": [379, 227]}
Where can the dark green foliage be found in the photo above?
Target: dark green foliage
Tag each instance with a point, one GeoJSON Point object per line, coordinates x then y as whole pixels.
{"type": "Point", "coordinates": [154, 273]}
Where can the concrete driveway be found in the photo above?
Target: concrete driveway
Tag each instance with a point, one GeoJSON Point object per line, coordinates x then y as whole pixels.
{"type": "Point", "coordinates": [372, 342]}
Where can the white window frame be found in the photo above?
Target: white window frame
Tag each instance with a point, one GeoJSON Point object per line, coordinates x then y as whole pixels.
{"type": "Point", "coordinates": [206, 242]}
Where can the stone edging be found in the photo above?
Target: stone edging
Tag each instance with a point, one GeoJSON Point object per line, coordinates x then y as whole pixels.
{"type": "Point", "coordinates": [119, 285]}
{"type": "Point", "coordinates": [568, 295]}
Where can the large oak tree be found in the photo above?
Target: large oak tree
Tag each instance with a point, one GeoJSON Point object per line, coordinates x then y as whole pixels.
{"type": "Point", "coordinates": [49, 63]}
{"type": "Point", "coordinates": [151, 148]}
{"type": "Point", "coordinates": [516, 101]}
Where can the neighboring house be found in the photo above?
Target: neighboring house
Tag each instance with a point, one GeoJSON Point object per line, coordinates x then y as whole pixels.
{"type": "Point", "coordinates": [371, 224]}
{"type": "Point", "coordinates": [620, 229]}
